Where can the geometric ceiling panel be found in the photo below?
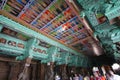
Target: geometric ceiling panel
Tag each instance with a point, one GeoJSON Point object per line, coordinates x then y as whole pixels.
{"type": "Point", "coordinates": [52, 17]}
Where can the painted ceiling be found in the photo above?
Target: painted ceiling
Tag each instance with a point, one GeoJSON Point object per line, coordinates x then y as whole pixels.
{"type": "Point", "coordinates": [54, 18]}
{"type": "Point", "coordinates": [90, 27]}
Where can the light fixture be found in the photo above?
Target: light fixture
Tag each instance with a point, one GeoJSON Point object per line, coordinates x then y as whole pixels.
{"type": "Point", "coordinates": [95, 69]}
{"type": "Point", "coordinates": [115, 66]}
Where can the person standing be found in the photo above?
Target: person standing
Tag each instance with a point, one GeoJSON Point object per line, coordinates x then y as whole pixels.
{"type": "Point", "coordinates": [112, 76]}
{"type": "Point", "coordinates": [80, 77]}
{"type": "Point", "coordinates": [91, 77]}
{"type": "Point", "coordinates": [76, 77]}
{"type": "Point", "coordinates": [86, 77]}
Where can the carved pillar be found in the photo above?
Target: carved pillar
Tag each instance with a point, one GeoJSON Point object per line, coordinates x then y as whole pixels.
{"type": "Point", "coordinates": [24, 74]}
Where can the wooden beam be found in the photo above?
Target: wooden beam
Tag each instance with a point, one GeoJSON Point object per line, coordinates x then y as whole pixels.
{"type": "Point", "coordinates": [6, 59]}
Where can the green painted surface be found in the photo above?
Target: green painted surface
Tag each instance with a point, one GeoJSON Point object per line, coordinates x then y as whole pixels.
{"type": "Point", "coordinates": [92, 18]}
{"type": "Point", "coordinates": [117, 55]}
{"type": "Point", "coordinates": [91, 9]}
{"type": "Point", "coordinates": [12, 38]}
{"type": "Point", "coordinates": [89, 4]}
{"type": "Point", "coordinates": [1, 26]}
{"type": "Point", "coordinates": [64, 58]}
{"type": "Point", "coordinates": [40, 55]}
{"type": "Point", "coordinates": [113, 13]}
{"type": "Point", "coordinates": [52, 54]}
{"type": "Point", "coordinates": [107, 34]}
{"type": "Point", "coordinates": [52, 51]}
{"type": "Point", "coordinates": [7, 46]}
{"type": "Point", "coordinates": [33, 50]}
